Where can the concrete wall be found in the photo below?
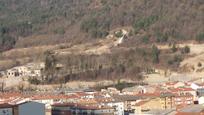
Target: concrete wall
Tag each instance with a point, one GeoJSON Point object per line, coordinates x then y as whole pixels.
{"type": "Point", "coordinates": [31, 108]}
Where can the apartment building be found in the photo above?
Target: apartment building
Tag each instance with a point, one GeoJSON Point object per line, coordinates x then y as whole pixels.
{"type": "Point", "coordinates": [25, 108]}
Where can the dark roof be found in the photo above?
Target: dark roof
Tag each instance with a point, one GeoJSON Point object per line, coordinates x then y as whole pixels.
{"type": "Point", "coordinates": [126, 97]}
{"type": "Point", "coordinates": [79, 106]}
{"type": "Point", "coordinates": [193, 108]}
{"type": "Point", "coordinates": [167, 94]}
{"type": "Point", "coordinates": [64, 105]}
{"type": "Point", "coordinates": [6, 105]}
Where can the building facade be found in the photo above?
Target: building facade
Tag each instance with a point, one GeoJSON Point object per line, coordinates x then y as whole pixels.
{"type": "Point", "coordinates": [76, 109]}
{"type": "Point", "coordinates": [26, 108]}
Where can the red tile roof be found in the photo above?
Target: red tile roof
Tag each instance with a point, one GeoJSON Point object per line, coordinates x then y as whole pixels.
{"type": "Point", "coordinates": [156, 94]}
{"type": "Point", "coordinates": [9, 95]}
{"type": "Point", "coordinates": [46, 97]}
{"type": "Point", "coordinates": [171, 83]}
{"type": "Point", "coordinates": [175, 90]}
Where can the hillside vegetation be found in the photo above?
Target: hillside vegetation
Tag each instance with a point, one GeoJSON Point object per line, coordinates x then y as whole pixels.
{"type": "Point", "coordinates": [83, 26]}
{"type": "Point", "coordinates": [68, 20]}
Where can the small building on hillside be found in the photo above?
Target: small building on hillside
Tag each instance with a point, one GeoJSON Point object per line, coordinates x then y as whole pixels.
{"type": "Point", "coordinates": [12, 73]}
{"type": "Point", "coordinates": [22, 70]}
{"type": "Point", "coordinates": [28, 70]}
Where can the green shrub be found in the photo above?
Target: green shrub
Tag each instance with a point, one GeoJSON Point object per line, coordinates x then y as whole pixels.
{"type": "Point", "coordinates": [145, 39]}
{"type": "Point", "coordinates": [176, 59]}
{"type": "Point", "coordinates": [119, 34]}
{"type": "Point", "coordinates": [89, 24]}
{"type": "Point", "coordinates": [7, 42]}
{"type": "Point", "coordinates": [199, 64]}
{"type": "Point", "coordinates": [162, 37]}
{"type": "Point", "coordinates": [34, 81]}
{"type": "Point", "coordinates": [200, 37]}
{"type": "Point", "coordinates": [95, 28]}
{"type": "Point", "coordinates": [170, 62]}
{"type": "Point", "coordinates": [59, 31]}
{"type": "Point", "coordinates": [185, 50]}
{"type": "Point", "coordinates": [103, 2]}
{"type": "Point", "coordinates": [155, 54]}
{"type": "Point", "coordinates": [174, 48]}
{"type": "Point", "coordinates": [98, 33]}
{"type": "Point", "coordinates": [144, 22]}
{"type": "Point", "coordinates": [130, 33]}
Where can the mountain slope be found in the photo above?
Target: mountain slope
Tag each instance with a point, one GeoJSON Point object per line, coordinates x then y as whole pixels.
{"type": "Point", "coordinates": [76, 33]}
{"type": "Point", "coordinates": [70, 20]}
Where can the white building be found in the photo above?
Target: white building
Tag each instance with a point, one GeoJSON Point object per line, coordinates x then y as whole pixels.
{"type": "Point", "coordinates": [113, 90]}
{"type": "Point", "coordinates": [22, 70]}
{"type": "Point", "coordinates": [118, 106]}
{"type": "Point", "coordinates": [201, 100]}
{"type": "Point", "coordinates": [12, 73]}
{"type": "Point", "coordinates": [48, 102]}
{"type": "Point", "coordinates": [28, 70]}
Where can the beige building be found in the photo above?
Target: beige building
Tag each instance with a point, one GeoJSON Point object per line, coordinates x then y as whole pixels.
{"type": "Point", "coordinates": [162, 102]}
{"type": "Point", "coordinates": [129, 101]}
{"type": "Point", "coordinates": [147, 105]}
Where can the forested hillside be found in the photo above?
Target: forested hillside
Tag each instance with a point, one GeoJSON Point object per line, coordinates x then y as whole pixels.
{"type": "Point", "coordinates": [65, 20]}
{"type": "Point", "coordinates": [59, 27]}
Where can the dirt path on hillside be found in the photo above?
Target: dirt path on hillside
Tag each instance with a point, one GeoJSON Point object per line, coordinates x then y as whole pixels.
{"type": "Point", "coordinates": [101, 46]}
